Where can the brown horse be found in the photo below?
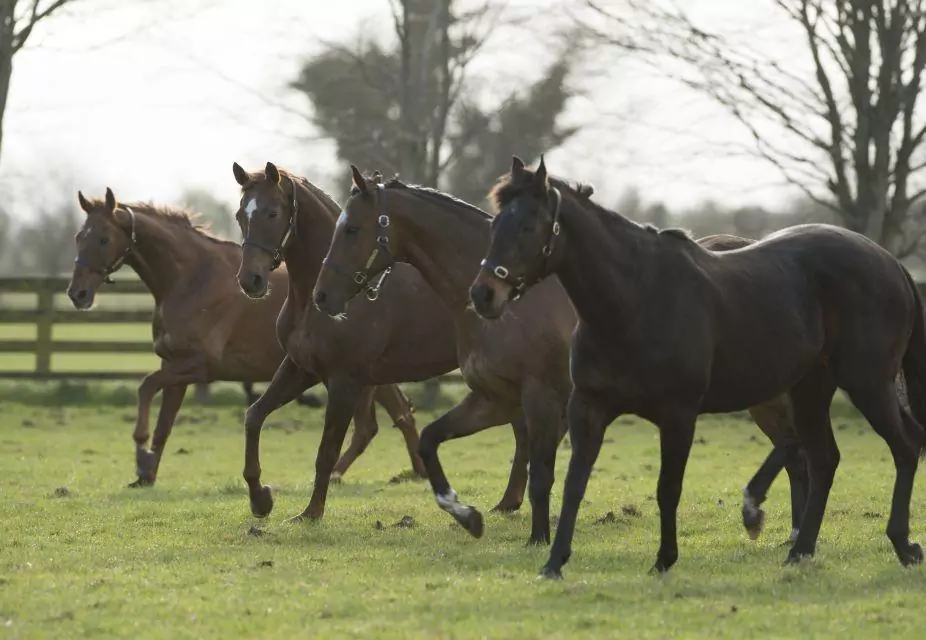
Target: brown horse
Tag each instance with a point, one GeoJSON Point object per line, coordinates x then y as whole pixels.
{"type": "Point", "coordinates": [406, 336]}
{"type": "Point", "coordinates": [517, 367]}
{"type": "Point", "coordinates": [203, 329]}
{"type": "Point", "coordinates": [669, 330]}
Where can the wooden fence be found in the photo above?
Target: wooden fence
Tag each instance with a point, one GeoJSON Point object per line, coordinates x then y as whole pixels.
{"type": "Point", "coordinates": [44, 315]}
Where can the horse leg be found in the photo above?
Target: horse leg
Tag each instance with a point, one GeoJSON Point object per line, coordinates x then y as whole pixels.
{"type": "Point", "coordinates": [517, 478]}
{"type": "Point", "coordinates": [883, 410]}
{"type": "Point", "coordinates": [543, 408]}
{"type": "Point", "coordinates": [365, 429]}
{"type": "Point", "coordinates": [676, 434]}
{"type": "Point", "coordinates": [810, 400]}
{"type": "Point", "coordinates": [171, 399]}
{"type": "Point", "coordinates": [402, 412]}
{"type": "Point", "coordinates": [588, 418]}
{"type": "Point", "coordinates": [288, 381]}
{"type": "Point", "coordinates": [343, 394]}
{"type": "Point", "coordinates": [475, 413]}
{"type": "Point", "coordinates": [774, 419]}
{"type": "Point", "coordinates": [170, 374]}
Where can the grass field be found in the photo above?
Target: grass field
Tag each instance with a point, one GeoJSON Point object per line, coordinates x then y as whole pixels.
{"type": "Point", "coordinates": [82, 555]}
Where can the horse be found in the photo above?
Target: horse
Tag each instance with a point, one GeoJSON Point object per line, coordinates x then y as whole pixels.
{"type": "Point", "coordinates": [203, 330]}
{"type": "Point", "coordinates": [515, 368]}
{"type": "Point", "coordinates": [405, 336]}
{"type": "Point", "coordinates": [669, 330]}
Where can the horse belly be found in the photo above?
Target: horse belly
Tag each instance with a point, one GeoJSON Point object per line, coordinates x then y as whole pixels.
{"type": "Point", "coordinates": [753, 376]}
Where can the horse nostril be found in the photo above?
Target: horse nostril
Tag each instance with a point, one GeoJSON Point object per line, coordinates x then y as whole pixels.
{"type": "Point", "coordinates": [256, 281]}
{"type": "Point", "coordinates": [320, 297]}
{"type": "Point", "coordinates": [483, 294]}
{"type": "Point", "coordinates": [82, 294]}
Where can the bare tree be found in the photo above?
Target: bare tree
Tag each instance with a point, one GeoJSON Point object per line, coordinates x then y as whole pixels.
{"type": "Point", "coordinates": [17, 20]}
{"type": "Point", "coordinates": [841, 119]}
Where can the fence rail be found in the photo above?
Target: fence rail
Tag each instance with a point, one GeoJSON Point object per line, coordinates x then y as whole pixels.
{"type": "Point", "coordinates": [44, 315]}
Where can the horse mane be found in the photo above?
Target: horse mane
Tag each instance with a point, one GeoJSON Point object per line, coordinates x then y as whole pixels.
{"type": "Point", "coordinates": [428, 192]}
{"type": "Point", "coordinates": [174, 216]}
{"type": "Point", "coordinates": [506, 190]}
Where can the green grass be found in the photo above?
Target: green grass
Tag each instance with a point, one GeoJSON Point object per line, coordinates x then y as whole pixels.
{"type": "Point", "coordinates": [176, 561]}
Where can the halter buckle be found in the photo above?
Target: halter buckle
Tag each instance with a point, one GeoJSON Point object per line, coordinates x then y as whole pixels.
{"type": "Point", "coordinates": [360, 278]}
{"type": "Point", "coordinates": [501, 272]}
{"type": "Point", "coordinates": [384, 221]}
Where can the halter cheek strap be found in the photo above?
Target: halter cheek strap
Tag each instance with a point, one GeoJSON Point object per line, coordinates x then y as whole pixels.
{"type": "Point", "coordinates": [277, 253]}
{"type": "Point", "coordinates": [521, 284]}
{"type": "Point", "coordinates": [363, 277]}
{"type": "Point", "coordinates": [118, 262]}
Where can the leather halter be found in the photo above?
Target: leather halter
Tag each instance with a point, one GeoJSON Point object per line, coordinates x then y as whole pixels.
{"type": "Point", "coordinates": [118, 262]}
{"type": "Point", "coordinates": [277, 253]}
{"type": "Point", "coordinates": [521, 284]}
{"type": "Point", "coordinates": [363, 277]}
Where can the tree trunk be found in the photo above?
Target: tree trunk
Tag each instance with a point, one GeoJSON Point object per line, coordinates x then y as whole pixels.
{"type": "Point", "coordinates": [7, 29]}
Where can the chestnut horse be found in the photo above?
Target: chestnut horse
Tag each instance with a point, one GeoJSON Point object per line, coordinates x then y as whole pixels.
{"type": "Point", "coordinates": [516, 367]}
{"type": "Point", "coordinates": [407, 336]}
{"type": "Point", "coordinates": [669, 330]}
{"type": "Point", "coordinates": [203, 330]}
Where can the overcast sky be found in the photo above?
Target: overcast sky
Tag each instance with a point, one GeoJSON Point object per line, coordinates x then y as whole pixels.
{"type": "Point", "coordinates": [151, 97]}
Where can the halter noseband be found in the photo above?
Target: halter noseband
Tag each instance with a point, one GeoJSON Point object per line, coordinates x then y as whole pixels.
{"type": "Point", "coordinates": [520, 285]}
{"type": "Point", "coordinates": [362, 278]}
{"type": "Point", "coordinates": [277, 253]}
{"type": "Point", "coordinates": [118, 262]}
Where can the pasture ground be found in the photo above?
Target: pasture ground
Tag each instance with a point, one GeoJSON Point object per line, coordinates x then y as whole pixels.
{"type": "Point", "coordinates": [82, 555]}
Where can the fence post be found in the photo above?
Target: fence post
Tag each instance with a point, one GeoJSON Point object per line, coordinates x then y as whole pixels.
{"type": "Point", "coordinates": [43, 328]}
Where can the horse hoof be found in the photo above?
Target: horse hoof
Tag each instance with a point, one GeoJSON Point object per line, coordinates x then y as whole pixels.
{"type": "Point", "coordinates": [795, 558]}
{"type": "Point", "coordinates": [141, 482]}
{"type": "Point", "coordinates": [539, 541]}
{"type": "Point", "coordinates": [549, 573]}
{"type": "Point", "coordinates": [145, 463]}
{"type": "Point", "coordinates": [472, 521]}
{"type": "Point", "coordinates": [912, 555]}
{"type": "Point", "coordinates": [753, 522]}
{"type": "Point", "coordinates": [506, 507]}
{"type": "Point", "coordinates": [335, 478]}
{"type": "Point", "coordinates": [301, 518]}
{"type": "Point", "coordinates": [262, 502]}
{"type": "Point", "coordinates": [659, 569]}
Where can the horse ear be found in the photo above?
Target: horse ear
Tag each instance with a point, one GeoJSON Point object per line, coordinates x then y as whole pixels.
{"type": "Point", "coordinates": [540, 176]}
{"type": "Point", "coordinates": [110, 201]}
{"type": "Point", "coordinates": [241, 176]}
{"type": "Point", "coordinates": [517, 165]}
{"type": "Point", "coordinates": [273, 174]}
{"type": "Point", "coordinates": [357, 179]}
{"type": "Point", "coordinates": [84, 203]}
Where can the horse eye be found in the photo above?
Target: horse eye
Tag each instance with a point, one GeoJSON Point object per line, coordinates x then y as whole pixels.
{"type": "Point", "coordinates": [104, 240]}
{"type": "Point", "coordinates": [351, 230]}
{"type": "Point", "coordinates": [272, 214]}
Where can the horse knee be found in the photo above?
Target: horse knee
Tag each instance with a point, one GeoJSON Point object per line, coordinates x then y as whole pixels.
{"type": "Point", "coordinates": [428, 442]}
{"type": "Point", "coordinates": [253, 420]}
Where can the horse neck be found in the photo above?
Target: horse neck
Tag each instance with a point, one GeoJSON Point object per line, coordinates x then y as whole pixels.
{"type": "Point", "coordinates": [602, 260]}
{"type": "Point", "coordinates": [443, 241]}
{"type": "Point", "coordinates": [315, 221]}
{"type": "Point", "coordinates": [162, 254]}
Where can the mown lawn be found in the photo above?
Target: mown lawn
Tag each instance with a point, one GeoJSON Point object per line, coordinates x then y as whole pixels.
{"type": "Point", "coordinates": [82, 555]}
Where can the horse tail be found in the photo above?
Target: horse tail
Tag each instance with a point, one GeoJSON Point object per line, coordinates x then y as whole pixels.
{"type": "Point", "coordinates": [914, 374]}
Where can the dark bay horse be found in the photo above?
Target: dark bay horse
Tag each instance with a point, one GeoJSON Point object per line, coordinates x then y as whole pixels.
{"type": "Point", "coordinates": [407, 336]}
{"type": "Point", "coordinates": [203, 329]}
{"type": "Point", "coordinates": [515, 367]}
{"type": "Point", "coordinates": [669, 330]}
